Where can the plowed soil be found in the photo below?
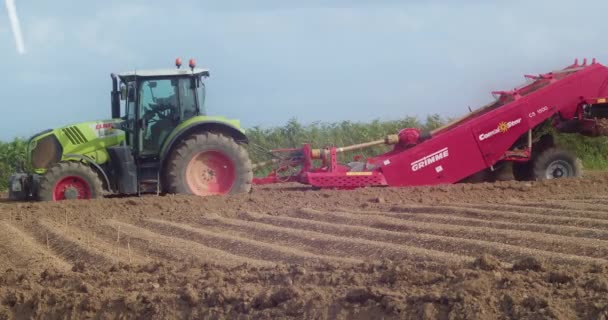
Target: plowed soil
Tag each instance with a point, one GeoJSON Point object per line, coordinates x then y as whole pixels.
{"type": "Point", "coordinates": [508, 250]}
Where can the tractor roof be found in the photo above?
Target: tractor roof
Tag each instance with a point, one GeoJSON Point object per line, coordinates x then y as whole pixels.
{"type": "Point", "coordinates": [132, 75]}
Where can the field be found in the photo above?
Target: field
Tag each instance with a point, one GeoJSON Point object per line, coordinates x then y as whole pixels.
{"type": "Point", "coordinates": [478, 251]}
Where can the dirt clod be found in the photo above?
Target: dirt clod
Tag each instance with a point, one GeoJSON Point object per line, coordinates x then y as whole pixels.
{"type": "Point", "coordinates": [528, 263]}
{"type": "Point", "coordinates": [151, 267]}
{"type": "Point", "coordinates": [378, 200]}
{"type": "Point", "coordinates": [560, 277]}
{"type": "Point", "coordinates": [597, 284]}
{"type": "Point", "coordinates": [535, 303]}
{"type": "Point", "coordinates": [283, 294]}
{"type": "Point", "coordinates": [360, 295]}
{"type": "Point", "coordinates": [79, 266]}
{"type": "Point", "coordinates": [486, 262]}
{"type": "Point", "coordinates": [189, 295]}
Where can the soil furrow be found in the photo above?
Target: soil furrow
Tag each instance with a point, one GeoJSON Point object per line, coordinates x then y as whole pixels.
{"type": "Point", "coordinates": [173, 248]}
{"type": "Point", "coordinates": [596, 201]}
{"type": "Point", "coordinates": [21, 251]}
{"type": "Point", "coordinates": [238, 244]}
{"type": "Point", "coordinates": [452, 219]}
{"type": "Point", "coordinates": [594, 248]}
{"type": "Point", "coordinates": [505, 216]}
{"type": "Point", "coordinates": [70, 243]}
{"type": "Point", "coordinates": [593, 204]}
{"type": "Point", "coordinates": [429, 236]}
{"type": "Point", "coordinates": [539, 208]}
{"type": "Point", "coordinates": [327, 244]}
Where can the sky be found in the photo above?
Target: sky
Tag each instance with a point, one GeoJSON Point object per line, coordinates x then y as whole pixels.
{"type": "Point", "coordinates": [273, 60]}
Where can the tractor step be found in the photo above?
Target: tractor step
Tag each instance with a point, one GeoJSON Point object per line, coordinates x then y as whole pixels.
{"type": "Point", "coordinates": [149, 165]}
{"type": "Point", "coordinates": [149, 186]}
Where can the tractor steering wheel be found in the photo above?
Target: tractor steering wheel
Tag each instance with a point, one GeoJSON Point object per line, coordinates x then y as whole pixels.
{"type": "Point", "coordinates": [158, 110]}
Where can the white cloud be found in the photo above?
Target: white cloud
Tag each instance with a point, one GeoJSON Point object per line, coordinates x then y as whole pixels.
{"type": "Point", "coordinates": [101, 32]}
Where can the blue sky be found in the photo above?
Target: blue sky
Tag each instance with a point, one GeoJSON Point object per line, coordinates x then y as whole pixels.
{"type": "Point", "coordinates": [272, 60]}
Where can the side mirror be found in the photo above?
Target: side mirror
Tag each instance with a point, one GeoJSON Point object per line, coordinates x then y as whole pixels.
{"type": "Point", "coordinates": [123, 92]}
{"type": "Point", "coordinates": [131, 95]}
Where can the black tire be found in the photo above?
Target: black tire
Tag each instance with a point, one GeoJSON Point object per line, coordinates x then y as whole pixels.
{"type": "Point", "coordinates": [556, 163]}
{"type": "Point", "coordinates": [61, 171]}
{"type": "Point", "coordinates": [522, 171]}
{"type": "Point", "coordinates": [176, 177]}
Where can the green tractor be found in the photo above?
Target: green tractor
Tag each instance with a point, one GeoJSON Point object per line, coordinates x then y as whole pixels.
{"type": "Point", "coordinates": [158, 141]}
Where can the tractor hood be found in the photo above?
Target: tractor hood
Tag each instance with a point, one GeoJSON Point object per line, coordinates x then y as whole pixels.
{"type": "Point", "coordinates": [73, 142]}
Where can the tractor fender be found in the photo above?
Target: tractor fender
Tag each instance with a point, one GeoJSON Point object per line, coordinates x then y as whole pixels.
{"type": "Point", "coordinates": [180, 133]}
{"type": "Point", "coordinates": [95, 165]}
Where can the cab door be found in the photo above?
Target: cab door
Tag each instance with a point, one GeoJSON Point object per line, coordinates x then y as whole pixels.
{"type": "Point", "coordinates": [131, 116]}
{"type": "Point", "coordinates": [159, 113]}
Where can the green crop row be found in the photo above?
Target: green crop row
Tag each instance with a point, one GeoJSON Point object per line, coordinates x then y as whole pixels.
{"type": "Point", "coordinates": [12, 154]}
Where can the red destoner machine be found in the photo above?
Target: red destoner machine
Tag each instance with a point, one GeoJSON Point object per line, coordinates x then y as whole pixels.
{"type": "Point", "coordinates": [573, 99]}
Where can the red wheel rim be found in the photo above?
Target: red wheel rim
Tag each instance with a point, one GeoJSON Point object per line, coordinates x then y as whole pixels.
{"type": "Point", "coordinates": [72, 187]}
{"type": "Point", "coordinates": [209, 173]}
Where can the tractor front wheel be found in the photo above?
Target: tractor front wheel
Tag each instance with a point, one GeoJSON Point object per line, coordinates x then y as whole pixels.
{"type": "Point", "coordinates": [555, 163]}
{"type": "Point", "coordinates": [209, 164]}
{"type": "Point", "coordinates": [70, 181]}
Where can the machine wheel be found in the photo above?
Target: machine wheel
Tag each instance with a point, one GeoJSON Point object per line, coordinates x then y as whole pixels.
{"type": "Point", "coordinates": [70, 180]}
{"type": "Point", "coordinates": [209, 164]}
{"type": "Point", "coordinates": [555, 163]}
{"type": "Point", "coordinates": [522, 171]}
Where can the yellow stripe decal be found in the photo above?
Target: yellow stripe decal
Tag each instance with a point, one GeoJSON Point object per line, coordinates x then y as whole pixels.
{"type": "Point", "coordinates": [354, 173]}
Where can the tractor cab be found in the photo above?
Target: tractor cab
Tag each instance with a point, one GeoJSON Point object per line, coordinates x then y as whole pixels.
{"type": "Point", "coordinates": [155, 102]}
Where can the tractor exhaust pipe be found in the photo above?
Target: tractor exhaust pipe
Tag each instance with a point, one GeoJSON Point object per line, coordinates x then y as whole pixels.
{"type": "Point", "coordinates": [115, 97]}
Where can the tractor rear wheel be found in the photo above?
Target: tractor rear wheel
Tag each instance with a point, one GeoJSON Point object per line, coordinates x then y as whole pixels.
{"type": "Point", "coordinates": [70, 181]}
{"type": "Point", "coordinates": [555, 163]}
{"type": "Point", "coordinates": [209, 164]}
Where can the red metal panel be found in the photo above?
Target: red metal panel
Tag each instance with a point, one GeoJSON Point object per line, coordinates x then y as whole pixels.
{"type": "Point", "coordinates": [496, 135]}
{"type": "Point", "coordinates": [447, 159]}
